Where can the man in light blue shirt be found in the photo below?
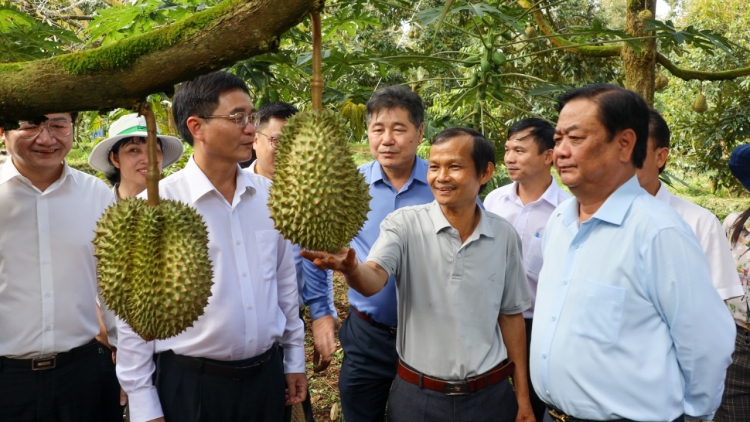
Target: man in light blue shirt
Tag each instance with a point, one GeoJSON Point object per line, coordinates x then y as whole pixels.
{"type": "Point", "coordinates": [627, 322]}
{"type": "Point", "coordinates": [397, 178]}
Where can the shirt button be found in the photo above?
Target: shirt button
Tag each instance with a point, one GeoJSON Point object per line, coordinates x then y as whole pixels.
{"type": "Point", "coordinates": [250, 341]}
{"type": "Point", "coordinates": [47, 328]}
{"type": "Point", "coordinates": [554, 318]}
{"type": "Point", "coordinates": [249, 307]}
{"type": "Point", "coordinates": [48, 294]}
{"type": "Point", "coordinates": [546, 391]}
{"type": "Point", "coordinates": [459, 255]}
{"type": "Point", "coordinates": [43, 228]}
{"type": "Point", "coordinates": [576, 246]}
{"type": "Point", "coordinates": [45, 261]}
{"type": "Point", "coordinates": [565, 282]}
{"type": "Point", "coordinates": [398, 196]}
{"type": "Point", "coordinates": [238, 242]}
{"type": "Point", "coordinates": [244, 274]}
{"type": "Point", "coordinates": [544, 356]}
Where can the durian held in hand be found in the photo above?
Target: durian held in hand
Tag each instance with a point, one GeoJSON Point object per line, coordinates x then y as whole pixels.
{"type": "Point", "coordinates": [319, 200]}
{"type": "Point", "coordinates": [152, 259]}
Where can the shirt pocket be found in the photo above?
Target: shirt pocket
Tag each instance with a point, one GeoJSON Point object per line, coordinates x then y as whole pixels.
{"type": "Point", "coordinates": [598, 315]}
{"type": "Point", "coordinates": [267, 242]}
{"type": "Point", "coordinates": [533, 260]}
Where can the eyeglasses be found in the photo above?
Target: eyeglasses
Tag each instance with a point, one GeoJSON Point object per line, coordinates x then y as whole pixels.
{"type": "Point", "coordinates": [274, 139]}
{"type": "Point", "coordinates": [57, 128]}
{"type": "Point", "coordinates": [241, 118]}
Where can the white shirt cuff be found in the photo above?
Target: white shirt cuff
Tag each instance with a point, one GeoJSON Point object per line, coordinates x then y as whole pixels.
{"type": "Point", "coordinates": [145, 405]}
{"type": "Point", "coordinates": [294, 360]}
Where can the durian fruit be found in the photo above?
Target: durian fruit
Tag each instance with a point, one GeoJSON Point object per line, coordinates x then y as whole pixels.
{"type": "Point", "coordinates": [645, 14]}
{"type": "Point", "coordinates": [660, 82]}
{"type": "Point", "coordinates": [319, 200]}
{"type": "Point", "coordinates": [699, 104]}
{"type": "Point", "coordinates": [153, 265]}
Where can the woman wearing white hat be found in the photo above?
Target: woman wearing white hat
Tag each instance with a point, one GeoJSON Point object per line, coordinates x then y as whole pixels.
{"type": "Point", "coordinates": [123, 157]}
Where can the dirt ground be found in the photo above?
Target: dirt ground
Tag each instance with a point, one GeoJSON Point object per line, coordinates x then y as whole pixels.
{"type": "Point", "coordinates": [324, 391]}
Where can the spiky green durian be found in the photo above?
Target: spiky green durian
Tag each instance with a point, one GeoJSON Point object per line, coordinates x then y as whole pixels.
{"type": "Point", "coordinates": [319, 200]}
{"type": "Point", "coordinates": [153, 264]}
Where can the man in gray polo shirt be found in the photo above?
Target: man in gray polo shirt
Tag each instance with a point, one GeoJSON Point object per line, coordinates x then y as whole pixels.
{"type": "Point", "coordinates": [461, 292]}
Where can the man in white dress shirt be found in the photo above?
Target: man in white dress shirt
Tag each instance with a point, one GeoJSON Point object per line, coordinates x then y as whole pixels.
{"type": "Point", "coordinates": [527, 204]}
{"type": "Point", "coordinates": [227, 367]}
{"type": "Point", "coordinates": [50, 364]}
{"type": "Point", "coordinates": [705, 225]}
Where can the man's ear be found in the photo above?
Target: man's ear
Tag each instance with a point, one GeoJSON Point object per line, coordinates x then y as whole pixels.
{"type": "Point", "coordinates": [548, 156]}
{"type": "Point", "coordinates": [487, 174]}
{"type": "Point", "coordinates": [661, 156]}
{"type": "Point", "coordinates": [421, 132]}
{"type": "Point", "coordinates": [195, 126]}
{"type": "Point", "coordinates": [626, 140]}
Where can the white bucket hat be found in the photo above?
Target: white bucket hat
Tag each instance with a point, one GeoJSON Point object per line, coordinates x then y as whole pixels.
{"type": "Point", "coordinates": [128, 126]}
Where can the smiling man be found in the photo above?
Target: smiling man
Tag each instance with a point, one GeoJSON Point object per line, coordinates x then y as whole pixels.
{"type": "Point", "coordinates": [50, 364]}
{"type": "Point", "coordinates": [397, 178]}
{"type": "Point", "coordinates": [627, 324]}
{"type": "Point", "coordinates": [461, 293]}
{"type": "Point", "coordinates": [528, 202]}
{"type": "Point", "coordinates": [227, 366]}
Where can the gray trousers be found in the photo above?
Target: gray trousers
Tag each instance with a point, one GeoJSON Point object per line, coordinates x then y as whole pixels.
{"type": "Point", "coordinates": [409, 403]}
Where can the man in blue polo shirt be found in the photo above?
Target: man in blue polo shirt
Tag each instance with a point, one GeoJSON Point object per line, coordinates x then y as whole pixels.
{"type": "Point", "coordinates": [397, 178]}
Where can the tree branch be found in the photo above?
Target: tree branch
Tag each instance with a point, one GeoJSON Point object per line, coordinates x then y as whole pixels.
{"type": "Point", "coordinates": [592, 51]}
{"type": "Point", "coordinates": [124, 73]}
{"type": "Point", "coordinates": [700, 75]}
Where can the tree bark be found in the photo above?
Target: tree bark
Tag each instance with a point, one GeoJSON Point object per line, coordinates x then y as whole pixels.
{"type": "Point", "coordinates": [124, 73]}
{"type": "Point", "coordinates": [640, 66]}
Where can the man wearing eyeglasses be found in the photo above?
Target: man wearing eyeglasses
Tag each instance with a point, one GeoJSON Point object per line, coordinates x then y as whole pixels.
{"type": "Point", "coordinates": [50, 363]}
{"type": "Point", "coordinates": [227, 366]}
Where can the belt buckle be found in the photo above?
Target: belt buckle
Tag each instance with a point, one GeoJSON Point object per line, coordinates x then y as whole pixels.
{"type": "Point", "coordinates": [457, 388]}
{"type": "Point", "coordinates": [43, 363]}
{"type": "Point", "coordinates": [558, 417]}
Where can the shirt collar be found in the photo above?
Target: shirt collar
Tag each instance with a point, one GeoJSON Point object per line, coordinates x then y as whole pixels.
{"type": "Point", "coordinates": [418, 172]}
{"type": "Point", "coordinates": [9, 171]}
{"type": "Point", "coordinates": [199, 184]}
{"type": "Point", "coordinates": [551, 195]}
{"type": "Point", "coordinates": [484, 228]}
{"type": "Point", "coordinates": [663, 194]}
{"type": "Point", "coordinates": [613, 210]}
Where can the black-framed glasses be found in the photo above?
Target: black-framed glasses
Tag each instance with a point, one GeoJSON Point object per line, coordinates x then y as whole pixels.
{"type": "Point", "coordinates": [241, 119]}
{"type": "Point", "coordinates": [59, 128]}
{"type": "Point", "coordinates": [274, 139]}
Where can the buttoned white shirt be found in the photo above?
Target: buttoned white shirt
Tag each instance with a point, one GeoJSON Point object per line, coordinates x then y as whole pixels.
{"type": "Point", "coordinates": [713, 240]}
{"type": "Point", "coordinates": [253, 300]}
{"type": "Point", "coordinates": [47, 264]}
{"type": "Point", "coordinates": [529, 221]}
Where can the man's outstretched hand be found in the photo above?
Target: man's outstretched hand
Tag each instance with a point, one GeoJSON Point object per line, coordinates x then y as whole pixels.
{"type": "Point", "coordinates": [344, 260]}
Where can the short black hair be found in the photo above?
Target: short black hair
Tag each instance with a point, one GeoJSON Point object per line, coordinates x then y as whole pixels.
{"type": "Point", "coordinates": [542, 132]}
{"type": "Point", "coordinates": [200, 97]}
{"type": "Point", "coordinates": [397, 96]}
{"type": "Point", "coordinates": [114, 178]}
{"type": "Point", "coordinates": [658, 130]}
{"type": "Point", "coordinates": [277, 110]}
{"type": "Point", "coordinates": [483, 152]}
{"type": "Point", "coordinates": [619, 109]}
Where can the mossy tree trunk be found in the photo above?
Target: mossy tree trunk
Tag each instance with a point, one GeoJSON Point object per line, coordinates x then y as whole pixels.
{"type": "Point", "coordinates": [640, 65]}
{"type": "Point", "coordinates": [124, 73]}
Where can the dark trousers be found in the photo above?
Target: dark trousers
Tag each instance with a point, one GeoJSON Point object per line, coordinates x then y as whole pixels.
{"type": "Point", "coordinates": [67, 393]}
{"type": "Point", "coordinates": [409, 403]}
{"type": "Point", "coordinates": [368, 370]}
{"type": "Point", "coordinates": [111, 409]}
{"type": "Point", "coordinates": [187, 395]}
{"type": "Point", "coordinates": [307, 404]}
{"type": "Point", "coordinates": [735, 403]}
{"type": "Point", "coordinates": [537, 405]}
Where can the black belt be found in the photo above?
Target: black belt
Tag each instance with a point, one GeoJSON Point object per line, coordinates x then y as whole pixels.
{"type": "Point", "coordinates": [236, 370]}
{"type": "Point", "coordinates": [374, 323]}
{"type": "Point", "coordinates": [47, 362]}
{"type": "Point", "coordinates": [560, 416]}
